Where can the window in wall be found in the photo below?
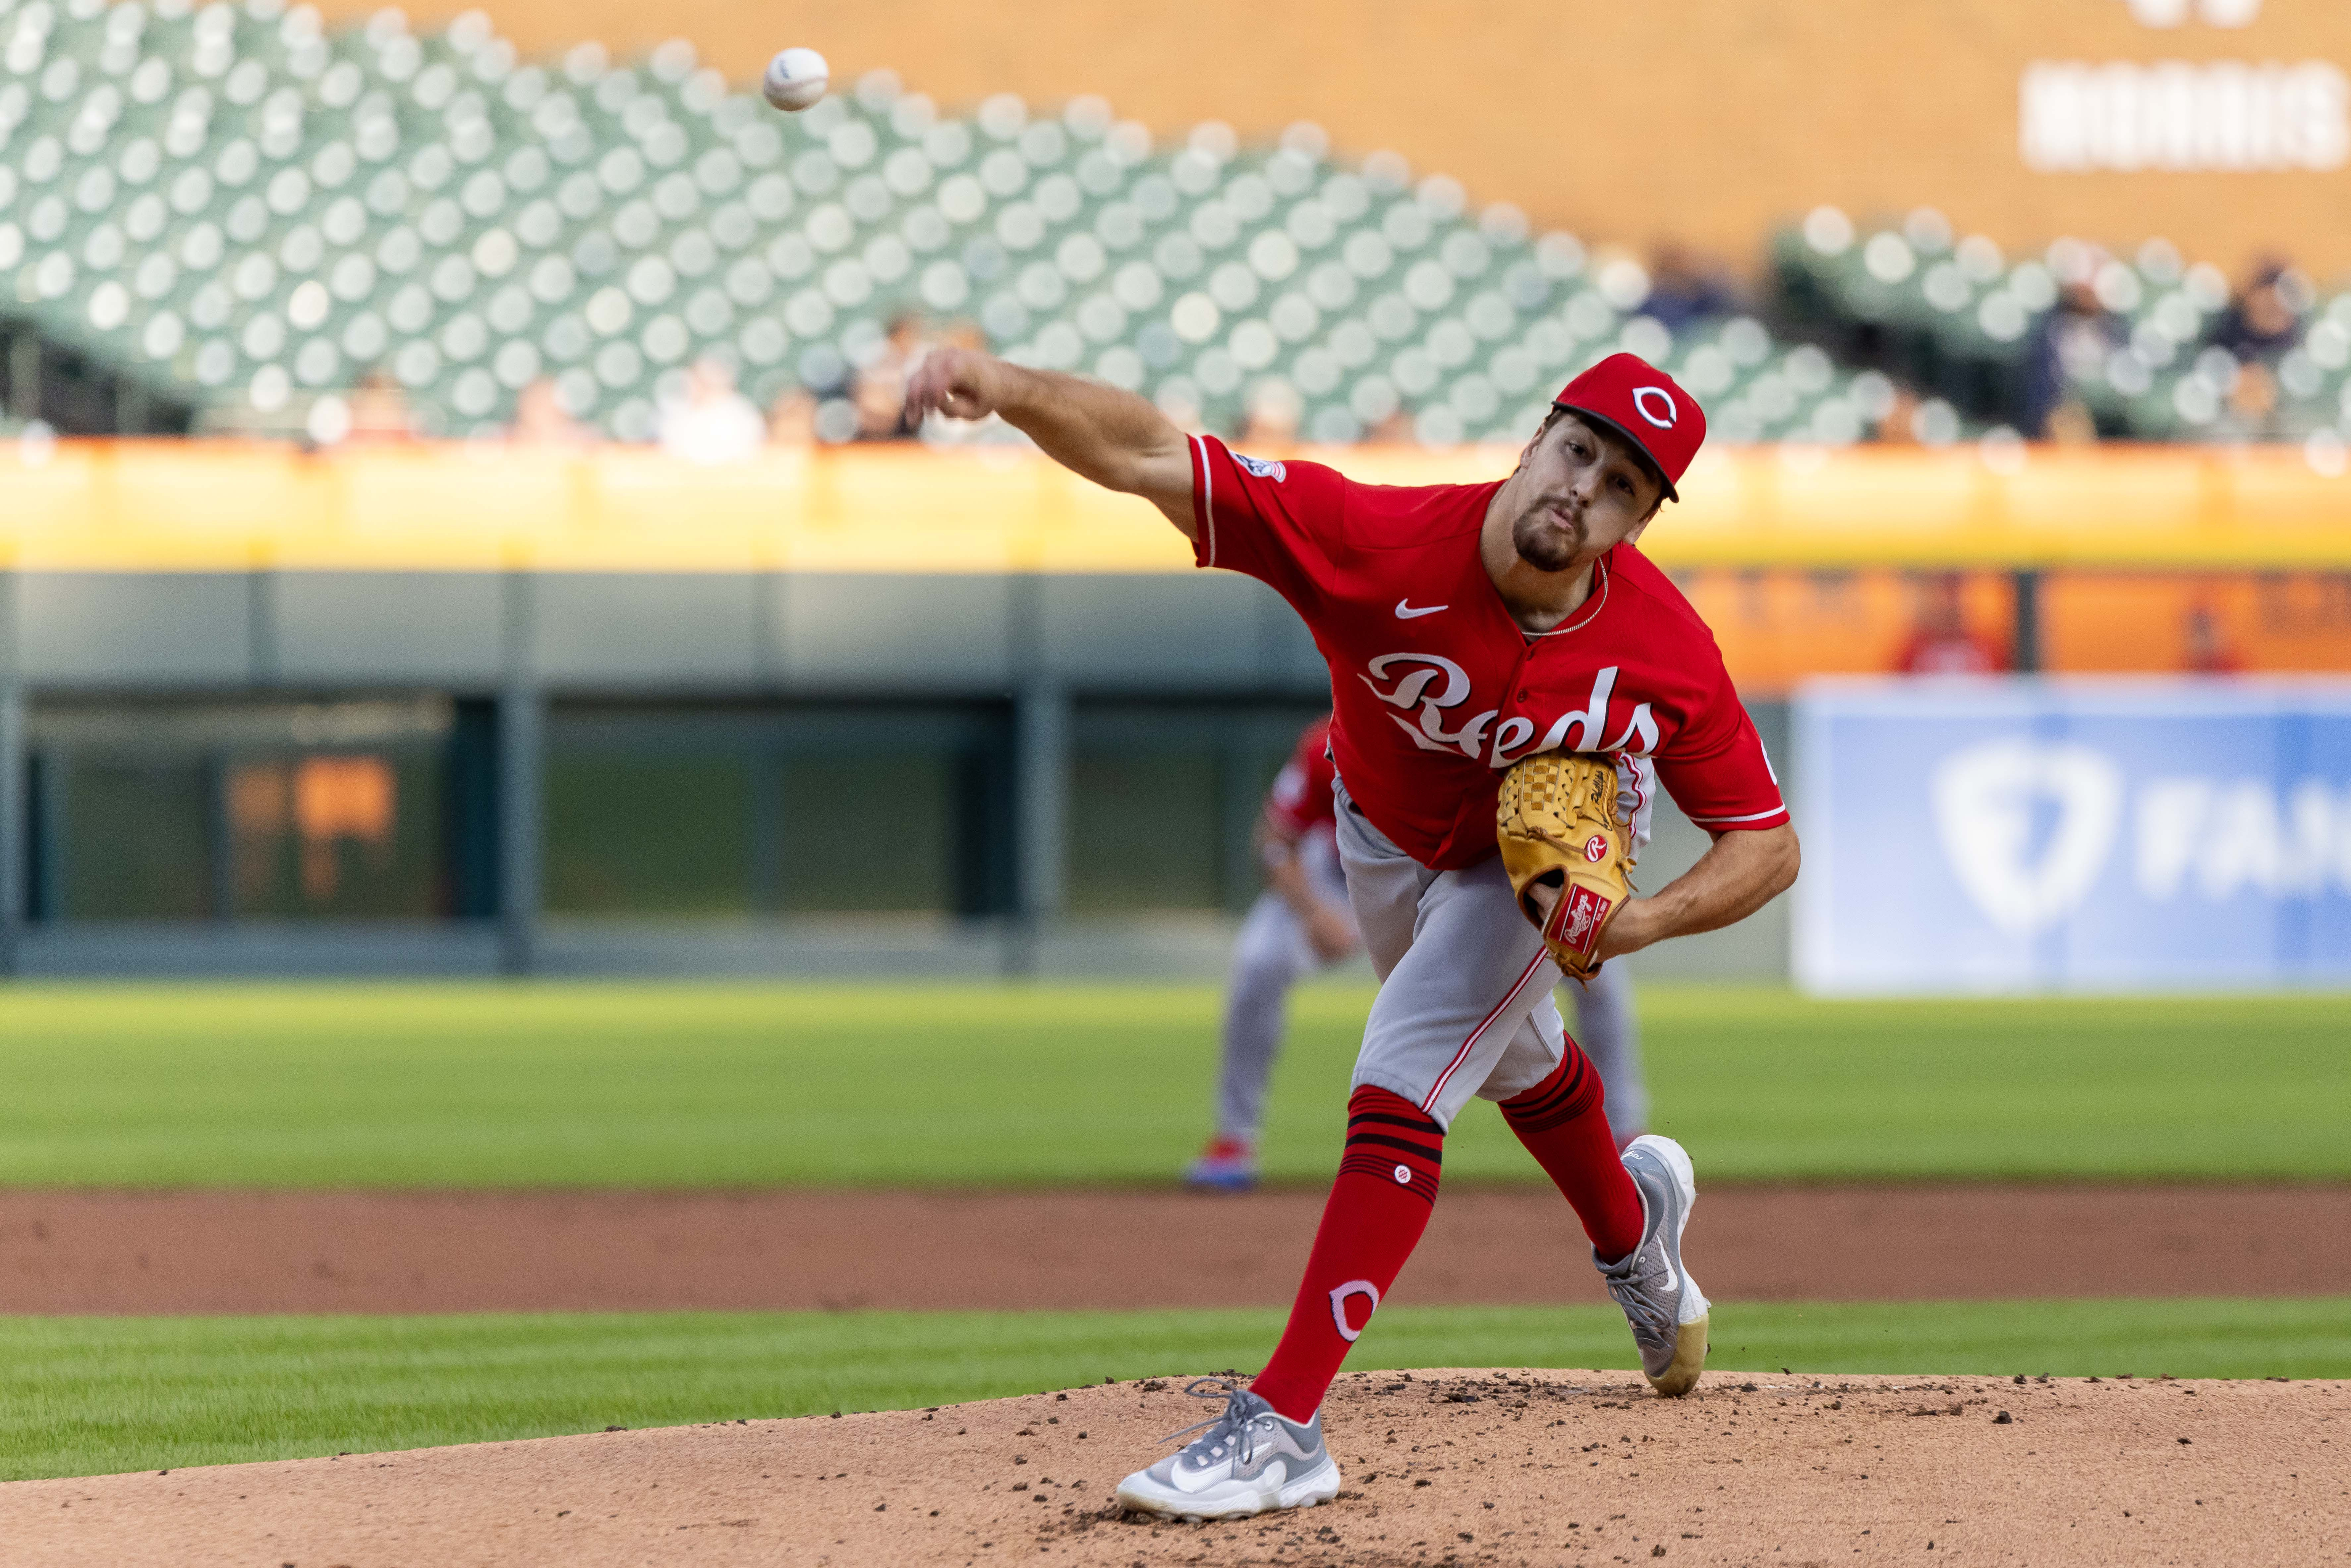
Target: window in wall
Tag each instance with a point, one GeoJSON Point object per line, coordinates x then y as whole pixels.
{"type": "Point", "coordinates": [812, 810]}
{"type": "Point", "coordinates": [133, 837]}
{"type": "Point", "coordinates": [1144, 831]}
{"type": "Point", "coordinates": [347, 834]}
{"type": "Point", "coordinates": [866, 832]}
{"type": "Point", "coordinates": [648, 833]}
{"type": "Point", "coordinates": [1163, 798]}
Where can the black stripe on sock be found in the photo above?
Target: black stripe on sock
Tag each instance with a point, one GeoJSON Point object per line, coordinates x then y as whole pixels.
{"type": "Point", "coordinates": [1423, 1185]}
{"type": "Point", "coordinates": [1432, 1153]}
{"type": "Point", "coordinates": [1417, 1124]}
{"type": "Point", "coordinates": [1582, 1106]}
{"type": "Point", "coordinates": [1545, 1097]}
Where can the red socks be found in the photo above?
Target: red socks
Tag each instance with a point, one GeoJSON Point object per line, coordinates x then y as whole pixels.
{"type": "Point", "coordinates": [1563, 1123]}
{"type": "Point", "coordinates": [1378, 1207]}
{"type": "Point", "coordinates": [1380, 1204]}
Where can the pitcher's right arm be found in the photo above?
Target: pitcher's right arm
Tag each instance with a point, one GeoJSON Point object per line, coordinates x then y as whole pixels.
{"type": "Point", "coordinates": [1114, 438]}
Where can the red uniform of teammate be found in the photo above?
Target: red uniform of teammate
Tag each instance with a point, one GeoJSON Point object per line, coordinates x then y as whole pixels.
{"type": "Point", "coordinates": [1301, 923]}
{"type": "Point", "coordinates": [1466, 627]}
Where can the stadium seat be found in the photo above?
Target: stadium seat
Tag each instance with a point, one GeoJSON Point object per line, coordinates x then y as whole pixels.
{"type": "Point", "coordinates": [1956, 319]}
{"type": "Point", "coordinates": [252, 211]}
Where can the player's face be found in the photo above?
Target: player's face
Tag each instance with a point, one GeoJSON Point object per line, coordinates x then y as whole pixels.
{"type": "Point", "coordinates": [1581, 494]}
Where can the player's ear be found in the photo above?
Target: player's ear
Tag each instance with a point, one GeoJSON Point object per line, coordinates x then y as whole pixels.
{"type": "Point", "coordinates": [1633, 534]}
{"type": "Point", "coordinates": [1526, 452]}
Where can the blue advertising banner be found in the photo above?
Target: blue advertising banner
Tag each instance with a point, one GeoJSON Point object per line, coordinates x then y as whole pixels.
{"type": "Point", "coordinates": [2085, 835]}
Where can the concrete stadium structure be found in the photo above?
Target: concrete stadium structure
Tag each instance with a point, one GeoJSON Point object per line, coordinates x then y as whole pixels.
{"type": "Point", "coordinates": [881, 711]}
{"type": "Point", "coordinates": [1032, 656]}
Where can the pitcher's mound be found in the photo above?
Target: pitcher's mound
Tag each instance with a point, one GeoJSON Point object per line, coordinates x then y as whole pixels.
{"type": "Point", "coordinates": [1513, 1467]}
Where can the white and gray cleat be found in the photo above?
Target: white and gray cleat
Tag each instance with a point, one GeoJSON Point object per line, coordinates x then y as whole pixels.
{"type": "Point", "coordinates": [1249, 1460]}
{"type": "Point", "coordinates": [1663, 1303]}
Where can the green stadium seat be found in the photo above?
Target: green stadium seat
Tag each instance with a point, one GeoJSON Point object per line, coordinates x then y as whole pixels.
{"type": "Point", "coordinates": [310, 204]}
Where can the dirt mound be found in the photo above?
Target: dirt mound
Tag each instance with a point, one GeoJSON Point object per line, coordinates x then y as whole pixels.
{"type": "Point", "coordinates": [1459, 1467]}
{"type": "Point", "coordinates": [458, 1252]}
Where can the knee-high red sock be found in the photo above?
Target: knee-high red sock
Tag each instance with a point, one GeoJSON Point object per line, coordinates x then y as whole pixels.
{"type": "Point", "coordinates": [1563, 1123]}
{"type": "Point", "coordinates": [1379, 1206]}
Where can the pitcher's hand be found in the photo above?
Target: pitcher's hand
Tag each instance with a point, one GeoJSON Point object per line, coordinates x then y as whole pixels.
{"type": "Point", "coordinates": [1628, 932]}
{"type": "Point", "coordinates": [957, 383]}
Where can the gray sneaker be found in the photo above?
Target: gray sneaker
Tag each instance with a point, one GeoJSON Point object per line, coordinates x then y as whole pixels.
{"type": "Point", "coordinates": [1662, 1302]}
{"type": "Point", "coordinates": [1250, 1459]}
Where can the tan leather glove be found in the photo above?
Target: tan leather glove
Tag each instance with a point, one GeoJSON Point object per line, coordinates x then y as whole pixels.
{"type": "Point", "coordinates": [1558, 826]}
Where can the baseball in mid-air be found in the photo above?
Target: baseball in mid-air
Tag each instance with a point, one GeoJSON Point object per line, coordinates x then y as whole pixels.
{"type": "Point", "coordinates": [796, 78]}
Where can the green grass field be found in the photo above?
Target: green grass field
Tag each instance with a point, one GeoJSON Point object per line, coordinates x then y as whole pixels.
{"type": "Point", "coordinates": [660, 1085]}
{"type": "Point", "coordinates": [670, 1085]}
{"type": "Point", "coordinates": [91, 1396]}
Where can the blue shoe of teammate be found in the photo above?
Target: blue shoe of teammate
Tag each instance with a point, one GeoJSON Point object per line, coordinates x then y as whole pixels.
{"type": "Point", "coordinates": [1227, 1165]}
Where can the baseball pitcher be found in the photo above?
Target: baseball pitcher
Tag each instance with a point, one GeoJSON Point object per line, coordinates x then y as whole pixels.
{"type": "Point", "coordinates": [1301, 923]}
{"type": "Point", "coordinates": [1512, 683]}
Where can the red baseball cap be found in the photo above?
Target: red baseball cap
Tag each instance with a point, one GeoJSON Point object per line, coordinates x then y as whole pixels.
{"type": "Point", "coordinates": [1646, 406]}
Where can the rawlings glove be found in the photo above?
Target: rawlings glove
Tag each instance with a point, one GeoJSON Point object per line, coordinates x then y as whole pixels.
{"type": "Point", "coordinates": [1558, 826]}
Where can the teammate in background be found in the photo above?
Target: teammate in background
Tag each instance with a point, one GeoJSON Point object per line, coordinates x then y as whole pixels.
{"type": "Point", "coordinates": [1468, 627]}
{"type": "Point", "coordinates": [2206, 646]}
{"type": "Point", "coordinates": [1941, 644]}
{"type": "Point", "coordinates": [1301, 923]}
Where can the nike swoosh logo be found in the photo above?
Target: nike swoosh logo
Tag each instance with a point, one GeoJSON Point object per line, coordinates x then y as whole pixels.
{"type": "Point", "coordinates": [1406, 612]}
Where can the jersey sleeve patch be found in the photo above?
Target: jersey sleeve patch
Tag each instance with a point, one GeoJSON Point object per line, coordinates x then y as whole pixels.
{"type": "Point", "coordinates": [1276, 521]}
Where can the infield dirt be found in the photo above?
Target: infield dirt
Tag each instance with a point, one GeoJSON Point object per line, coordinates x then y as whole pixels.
{"type": "Point", "coordinates": [1441, 1468]}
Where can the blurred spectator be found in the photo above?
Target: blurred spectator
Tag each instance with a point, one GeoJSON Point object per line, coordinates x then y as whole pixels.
{"type": "Point", "coordinates": [2069, 344]}
{"type": "Point", "coordinates": [1270, 421]}
{"type": "Point", "coordinates": [791, 418]}
{"type": "Point", "coordinates": [1396, 430]}
{"type": "Point", "coordinates": [540, 421]}
{"type": "Point", "coordinates": [2252, 411]}
{"type": "Point", "coordinates": [379, 409]}
{"type": "Point", "coordinates": [713, 422]}
{"type": "Point", "coordinates": [2265, 319]}
{"type": "Point", "coordinates": [2071, 423]}
{"type": "Point", "coordinates": [2208, 652]}
{"type": "Point", "coordinates": [1898, 424]}
{"type": "Point", "coordinates": [1684, 287]}
{"type": "Point", "coordinates": [1941, 643]}
{"type": "Point", "coordinates": [880, 387]}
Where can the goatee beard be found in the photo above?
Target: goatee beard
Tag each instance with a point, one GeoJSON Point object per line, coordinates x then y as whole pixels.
{"type": "Point", "coordinates": [1542, 545]}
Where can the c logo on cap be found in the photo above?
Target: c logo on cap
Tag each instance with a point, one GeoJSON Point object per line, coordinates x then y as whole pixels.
{"type": "Point", "coordinates": [1641, 396]}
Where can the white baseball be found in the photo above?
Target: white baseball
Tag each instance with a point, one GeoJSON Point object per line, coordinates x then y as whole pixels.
{"type": "Point", "coordinates": [796, 78]}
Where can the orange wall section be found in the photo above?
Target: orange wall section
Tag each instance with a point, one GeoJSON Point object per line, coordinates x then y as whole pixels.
{"type": "Point", "coordinates": [1776, 628]}
{"type": "Point", "coordinates": [1708, 120]}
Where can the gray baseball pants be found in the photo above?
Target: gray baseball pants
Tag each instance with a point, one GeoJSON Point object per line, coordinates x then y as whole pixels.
{"type": "Point", "coordinates": [1272, 953]}
{"type": "Point", "coordinates": [1465, 1008]}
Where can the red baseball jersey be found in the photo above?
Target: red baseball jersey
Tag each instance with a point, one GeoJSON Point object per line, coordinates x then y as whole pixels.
{"type": "Point", "coordinates": [1300, 799]}
{"type": "Point", "coordinates": [1435, 687]}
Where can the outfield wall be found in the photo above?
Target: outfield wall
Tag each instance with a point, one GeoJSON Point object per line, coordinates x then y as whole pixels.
{"type": "Point", "coordinates": [462, 709]}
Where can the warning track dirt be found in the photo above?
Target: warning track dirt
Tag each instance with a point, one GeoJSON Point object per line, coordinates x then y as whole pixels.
{"type": "Point", "coordinates": [65, 1251]}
